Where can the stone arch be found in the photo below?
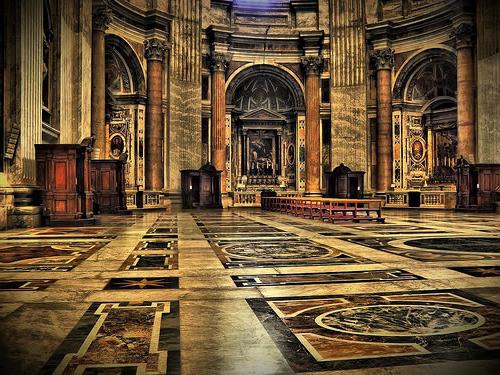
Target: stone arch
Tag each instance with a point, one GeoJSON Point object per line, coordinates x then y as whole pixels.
{"type": "Point", "coordinates": [440, 59]}
{"type": "Point", "coordinates": [129, 68]}
{"type": "Point", "coordinates": [282, 86]}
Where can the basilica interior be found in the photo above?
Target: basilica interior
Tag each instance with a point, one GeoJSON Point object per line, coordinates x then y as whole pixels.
{"type": "Point", "coordinates": [184, 184]}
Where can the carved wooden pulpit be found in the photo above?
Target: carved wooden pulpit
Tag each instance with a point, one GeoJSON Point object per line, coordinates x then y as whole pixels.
{"type": "Point", "coordinates": [63, 173]}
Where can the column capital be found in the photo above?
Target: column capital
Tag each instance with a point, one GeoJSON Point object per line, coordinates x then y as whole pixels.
{"type": "Point", "coordinates": [463, 35]}
{"type": "Point", "coordinates": [154, 49]}
{"type": "Point", "coordinates": [383, 58]}
{"type": "Point", "coordinates": [219, 61]}
{"type": "Point", "coordinates": [312, 64]}
{"type": "Point", "coordinates": [101, 18]}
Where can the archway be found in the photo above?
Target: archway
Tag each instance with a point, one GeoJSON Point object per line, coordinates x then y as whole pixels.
{"type": "Point", "coordinates": [125, 105]}
{"type": "Point", "coordinates": [425, 121]}
{"type": "Point", "coordinates": [265, 103]}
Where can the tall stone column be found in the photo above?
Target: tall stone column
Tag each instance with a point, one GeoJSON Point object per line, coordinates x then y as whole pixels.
{"type": "Point", "coordinates": [154, 51]}
{"type": "Point", "coordinates": [466, 130]}
{"type": "Point", "coordinates": [100, 21]}
{"type": "Point", "coordinates": [219, 63]}
{"type": "Point", "coordinates": [384, 62]}
{"type": "Point", "coordinates": [312, 66]}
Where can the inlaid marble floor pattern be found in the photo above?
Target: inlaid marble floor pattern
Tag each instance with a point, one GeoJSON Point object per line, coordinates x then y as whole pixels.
{"type": "Point", "coordinates": [243, 291]}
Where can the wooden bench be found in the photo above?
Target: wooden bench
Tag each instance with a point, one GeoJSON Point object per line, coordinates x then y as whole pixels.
{"type": "Point", "coordinates": [329, 209]}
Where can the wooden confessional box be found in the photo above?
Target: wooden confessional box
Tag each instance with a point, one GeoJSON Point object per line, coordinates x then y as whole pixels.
{"type": "Point", "coordinates": [344, 183]}
{"type": "Point", "coordinates": [201, 188]}
{"type": "Point", "coordinates": [63, 173]}
{"type": "Point", "coordinates": [108, 186]}
{"type": "Point", "coordinates": [478, 185]}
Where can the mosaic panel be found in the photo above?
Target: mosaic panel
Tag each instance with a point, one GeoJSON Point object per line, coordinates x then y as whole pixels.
{"type": "Point", "coordinates": [440, 249]}
{"type": "Point", "coordinates": [121, 338]}
{"type": "Point", "coordinates": [382, 329]}
{"type": "Point", "coordinates": [282, 253]}
{"type": "Point", "coordinates": [161, 230]}
{"type": "Point", "coordinates": [479, 271]}
{"type": "Point", "coordinates": [156, 245]}
{"type": "Point", "coordinates": [151, 262]}
{"type": "Point", "coordinates": [19, 285]}
{"type": "Point", "coordinates": [143, 283]}
{"type": "Point", "coordinates": [49, 256]}
{"type": "Point", "coordinates": [323, 278]}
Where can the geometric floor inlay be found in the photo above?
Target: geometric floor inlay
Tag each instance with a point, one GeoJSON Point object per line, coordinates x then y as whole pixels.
{"type": "Point", "coordinates": [380, 329]}
{"type": "Point", "coordinates": [121, 338]}
{"type": "Point", "coordinates": [323, 278]}
{"type": "Point", "coordinates": [47, 256]}
{"type": "Point", "coordinates": [279, 252]}
{"type": "Point", "coordinates": [150, 262]}
{"type": "Point", "coordinates": [18, 285]}
{"type": "Point", "coordinates": [479, 271]}
{"type": "Point", "coordinates": [434, 249]}
{"type": "Point", "coordinates": [143, 283]}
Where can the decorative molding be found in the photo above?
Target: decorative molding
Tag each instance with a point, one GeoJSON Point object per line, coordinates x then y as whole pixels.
{"type": "Point", "coordinates": [154, 49]}
{"type": "Point", "coordinates": [463, 35]}
{"type": "Point", "coordinates": [219, 61]}
{"type": "Point", "coordinates": [312, 64]}
{"type": "Point", "coordinates": [101, 18]}
{"type": "Point", "coordinates": [383, 58]}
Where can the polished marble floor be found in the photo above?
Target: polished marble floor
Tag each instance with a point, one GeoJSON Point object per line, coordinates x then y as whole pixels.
{"type": "Point", "coordinates": [243, 292]}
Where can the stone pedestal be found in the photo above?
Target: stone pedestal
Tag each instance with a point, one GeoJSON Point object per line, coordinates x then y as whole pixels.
{"type": "Point", "coordinates": [312, 66]}
{"type": "Point", "coordinates": [101, 19]}
{"type": "Point", "coordinates": [384, 61]}
{"type": "Point", "coordinates": [154, 50]}
{"type": "Point", "coordinates": [466, 130]}
{"type": "Point", "coordinates": [219, 63]}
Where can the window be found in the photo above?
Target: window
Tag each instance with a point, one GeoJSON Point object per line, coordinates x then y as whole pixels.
{"type": "Point", "coordinates": [204, 130]}
{"type": "Point", "coordinates": [326, 127]}
{"type": "Point", "coordinates": [325, 90]}
{"type": "Point", "coordinates": [204, 87]}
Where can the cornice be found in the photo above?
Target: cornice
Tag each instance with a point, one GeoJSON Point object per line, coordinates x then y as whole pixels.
{"type": "Point", "coordinates": [145, 20]}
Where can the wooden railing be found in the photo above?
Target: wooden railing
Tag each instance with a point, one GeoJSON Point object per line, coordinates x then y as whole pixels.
{"type": "Point", "coordinates": [329, 209]}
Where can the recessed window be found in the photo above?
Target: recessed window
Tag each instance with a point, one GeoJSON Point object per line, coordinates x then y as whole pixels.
{"type": "Point", "coordinates": [326, 127]}
{"type": "Point", "coordinates": [204, 130]}
{"type": "Point", "coordinates": [204, 87]}
{"type": "Point", "coordinates": [325, 90]}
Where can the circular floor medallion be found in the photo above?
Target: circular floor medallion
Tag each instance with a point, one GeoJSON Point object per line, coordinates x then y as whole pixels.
{"type": "Point", "coordinates": [400, 320]}
{"type": "Point", "coordinates": [465, 244]}
{"type": "Point", "coordinates": [279, 250]}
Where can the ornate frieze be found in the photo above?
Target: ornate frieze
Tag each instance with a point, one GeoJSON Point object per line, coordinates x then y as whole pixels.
{"type": "Point", "coordinates": [383, 58]}
{"type": "Point", "coordinates": [312, 64]}
{"type": "Point", "coordinates": [219, 61]}
{"type": "Point", "coordinates": [101, 18]}
{"type": "Point", "coordinates": [154, 49]}
{"type": "Point", "coordinates": [463, 35]}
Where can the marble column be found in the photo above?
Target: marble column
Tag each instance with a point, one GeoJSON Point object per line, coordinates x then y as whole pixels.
{"type": "Point", "coordinates": [154, 51]}
{"type": "Point", "coordinates": [100, 21]}
{"type": "Point", "coordinates": [384, 62]}
{"type": "Point", "coordinates": [219, 63]}
{"type": "Point", "coordinates": [312, 66]}
{"type": "Point", "coordinates": [466, 131]}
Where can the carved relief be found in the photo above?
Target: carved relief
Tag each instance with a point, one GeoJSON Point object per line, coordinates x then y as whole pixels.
{"type": "Point", "coordinates": [219, 61]}
{"type": "Point", "coordinates": [313, 64]}
{"type": "Point", "coordinates": [154, 49]}
{"type": "Point", "coordinates": [101, 18]}
{"type": "Point", "coordinates": [383, 59]}
{"type": "Point", "coordinates": [463, 35]}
